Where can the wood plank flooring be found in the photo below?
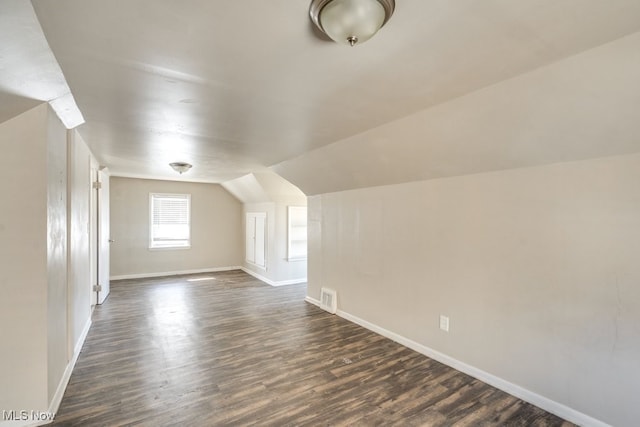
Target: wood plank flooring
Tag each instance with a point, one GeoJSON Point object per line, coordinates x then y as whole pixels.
{"type": "Point", "coordinates": [230, 350]}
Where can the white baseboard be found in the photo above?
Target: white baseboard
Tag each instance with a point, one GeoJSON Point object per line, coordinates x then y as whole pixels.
{"type": "Point", "coordinates": [547, 404]}
{"type": "Point", "coordinates": [291, 282]}
{"type": "Point", "coordinates": [62, 387]}
{"type": "Point", "coordinates": [312, 301]}
{"type": "Point", "coordinates": [272, 282]}
{"type": "Point", "coordinates": [64, 381]}
{"type": "Point", "coordinates": [174, 273]}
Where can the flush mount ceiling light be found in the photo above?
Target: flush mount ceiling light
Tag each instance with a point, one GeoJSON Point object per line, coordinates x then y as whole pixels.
{"type": "Point", "coordinates": [351, 21]}
{"type": "Point", "coordinates": [180, 167]}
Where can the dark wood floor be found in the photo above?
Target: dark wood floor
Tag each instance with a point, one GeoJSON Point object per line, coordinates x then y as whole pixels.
{"type": "Point", "coordinates": [234, 351]}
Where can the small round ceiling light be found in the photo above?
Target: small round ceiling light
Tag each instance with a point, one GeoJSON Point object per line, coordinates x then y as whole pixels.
{"type": "Point", "coordinates": [180, 167]}
{"type": "Point", "coordinates": [351, 21]}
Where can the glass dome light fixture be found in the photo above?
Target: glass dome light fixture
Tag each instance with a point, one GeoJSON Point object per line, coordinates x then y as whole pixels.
{"type": "Point", "coordinates": [180, 167]}
{"type": "Point", "coordinates": [351, 21]}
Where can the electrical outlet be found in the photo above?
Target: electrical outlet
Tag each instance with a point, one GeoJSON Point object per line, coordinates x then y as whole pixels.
{"type": "Point", "coordinates": [444, 323]}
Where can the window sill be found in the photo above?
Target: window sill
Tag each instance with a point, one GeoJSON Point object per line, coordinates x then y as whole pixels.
{"type": "Point", "coordinates": [169, 248]}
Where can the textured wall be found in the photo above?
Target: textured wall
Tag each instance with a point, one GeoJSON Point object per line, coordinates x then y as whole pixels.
{"type": "Point", "coordinates": [23, 261]}
{"type": "Point", "coordinates": [79, 250]}
{"type": "Point", "coordinates": [216, 228]}
{"type": "Point", "coordinates": [56, 237]}
{"type": "Point", "coordinates": [537, 269]}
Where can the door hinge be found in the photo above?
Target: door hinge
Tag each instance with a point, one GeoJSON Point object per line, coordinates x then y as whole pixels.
{"type": "Point", "coordinates": [97, 185]}
{"type": "Point", "coordinates": [97, 288]}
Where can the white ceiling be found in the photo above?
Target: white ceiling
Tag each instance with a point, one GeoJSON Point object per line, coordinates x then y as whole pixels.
{"type": "Point", "coordinates": [585, 106]}
{"type": "Point", "coordinates": [234, 87]}
{"type": "Point", "coordinates": [265, 187]}
{"type": "Point", "coordinates": [29, 73]}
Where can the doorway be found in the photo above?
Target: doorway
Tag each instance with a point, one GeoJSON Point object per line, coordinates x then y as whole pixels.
{"type": "Point", "coordinates": [100, 239]}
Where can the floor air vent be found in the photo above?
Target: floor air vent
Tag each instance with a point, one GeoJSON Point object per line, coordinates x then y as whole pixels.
{"type": "Point", "coordinates": [328, 300]}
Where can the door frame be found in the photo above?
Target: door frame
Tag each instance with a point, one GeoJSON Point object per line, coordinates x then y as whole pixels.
{"type": "Point", "coordinates": [103, 235]}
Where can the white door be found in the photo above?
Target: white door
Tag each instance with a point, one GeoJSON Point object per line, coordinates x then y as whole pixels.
{"type": "Point", "coordinates": [255, 246]}
{"type": "Point", "coordinates": [93, 234]}
{"type": "Point", "coordinates": [104, 237]}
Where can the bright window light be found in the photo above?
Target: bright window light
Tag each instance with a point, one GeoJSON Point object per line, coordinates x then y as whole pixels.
{"type": "Point", "coordinates": [170, 221]}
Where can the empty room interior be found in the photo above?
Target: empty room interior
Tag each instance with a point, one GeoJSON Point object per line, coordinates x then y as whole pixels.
{"type": "Point", "coordinates": [320, 212]}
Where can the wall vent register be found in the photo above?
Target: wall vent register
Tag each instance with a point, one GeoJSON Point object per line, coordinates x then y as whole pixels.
{"type": "Point", "coordinates": [328, 300]}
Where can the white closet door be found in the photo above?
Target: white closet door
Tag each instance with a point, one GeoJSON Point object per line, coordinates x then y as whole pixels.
{"type": "Point", "coordinates": [255, 246]}
{"type": "Point", "coordinates": [261, 229]}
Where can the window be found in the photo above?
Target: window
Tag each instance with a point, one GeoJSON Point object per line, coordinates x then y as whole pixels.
{"type": "Point", "coordinates": [170, 218]}
{"type": "Point", "coordinates": [297, 235]}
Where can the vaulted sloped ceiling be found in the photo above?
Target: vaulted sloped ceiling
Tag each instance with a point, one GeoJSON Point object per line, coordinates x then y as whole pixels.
{"type": "Point", "coordinates": [234, 87]}
{"type": "Point", "coordinates": [29, 73]}
{"type": "Point", "coordinates": [585, 106]}
{"type": "Point", "coordinates": [264, 187]}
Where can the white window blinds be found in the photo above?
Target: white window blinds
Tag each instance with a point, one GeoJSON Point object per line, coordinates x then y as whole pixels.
{"type": "Point", "coordinates": [170, 219]}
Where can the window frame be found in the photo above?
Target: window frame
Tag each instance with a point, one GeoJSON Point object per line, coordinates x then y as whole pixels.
{"type": "Point", "coordinates": [154, 246]}
{"type": "Point", "coordinates": [293, 238]}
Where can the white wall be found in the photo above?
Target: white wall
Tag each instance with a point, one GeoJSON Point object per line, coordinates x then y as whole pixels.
{"type": "Point", "coordinates": [56, 184]}
{"type": "Point", "coordinates": [38, 295]}
{"type": "Point", "coordinates": [537, 269]}
{"type": "Point", "coordinates": [268, 192]}
{"type": "Point", "coordinates": [535, 266]}
{"type": "Point", "coordinates": [23, 261]}
{"type": "Point", "coordinates": [279, 269]}
{"type": "Point", "coordinates": [79, 250]}
{"type": "Point", "coordinates": [216, 228]}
